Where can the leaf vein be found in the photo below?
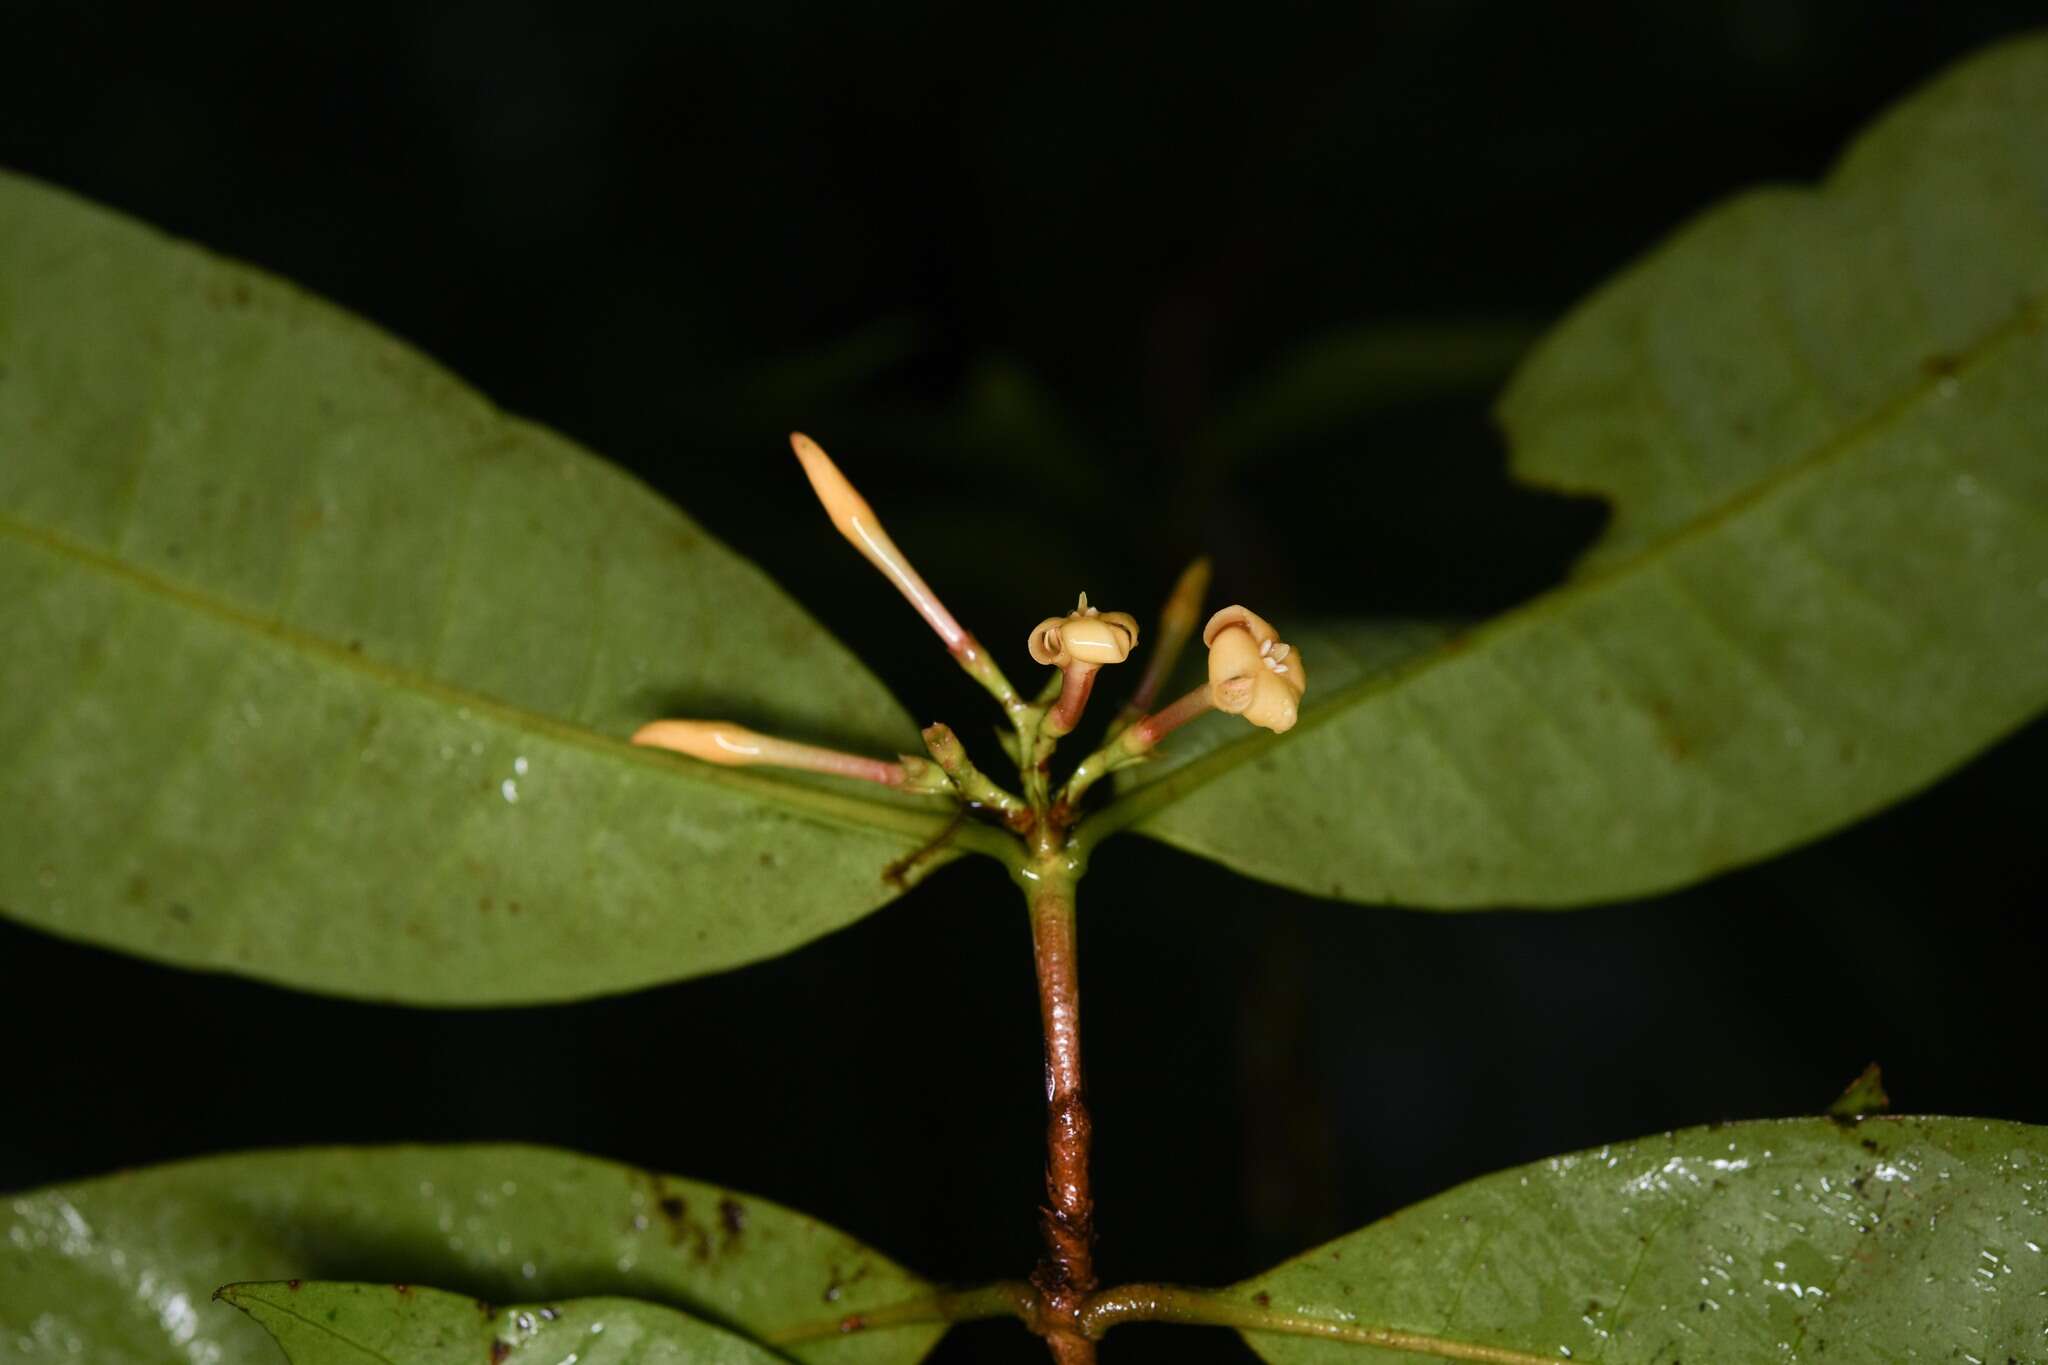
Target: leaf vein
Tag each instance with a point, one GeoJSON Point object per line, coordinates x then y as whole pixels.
{"type": "Point", "coordinates": [904, 820]}
{"type": "Point", "coordinates": [1150, 798]}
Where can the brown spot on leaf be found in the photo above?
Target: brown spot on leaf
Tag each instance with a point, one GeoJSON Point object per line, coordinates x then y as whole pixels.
{"type": "Point", "coordinates": [500, 1348]}
{"type": "Point", "coordinates": [292, 1285]}
{"type": "Point", "coordinates": [733, 1215]}
{"type": "Point", "coordinates": [1263, 1299]}
{"type": "Point", "coordinates": [674, 1212]}
{"type": "Point", "coordinates": [1677, 746]}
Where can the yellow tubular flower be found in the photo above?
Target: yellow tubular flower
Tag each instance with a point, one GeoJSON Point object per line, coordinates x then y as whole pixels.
{"type": "Point", "coordinates": [1252, 672]}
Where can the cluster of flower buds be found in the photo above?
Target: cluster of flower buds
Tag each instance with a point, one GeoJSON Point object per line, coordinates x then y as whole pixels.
{"type": "Point", "coordinates": [1252, 673]}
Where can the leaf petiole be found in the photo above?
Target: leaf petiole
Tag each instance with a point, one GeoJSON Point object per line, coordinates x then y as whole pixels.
{"type": "Point", "coordinates": [1217, 1308]}
{"type": "Point", "coordinates": [1147, 1303]}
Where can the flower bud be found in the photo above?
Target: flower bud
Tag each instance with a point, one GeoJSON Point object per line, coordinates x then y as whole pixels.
{"type": "Point", "coordinates": [722, 742]}
{"type": "Point", "coordinates": [857, 522]}
{"type": "Point", "coordinates": [1252, 672]}
{"type": "Point", "coordinates": [1084, 636]}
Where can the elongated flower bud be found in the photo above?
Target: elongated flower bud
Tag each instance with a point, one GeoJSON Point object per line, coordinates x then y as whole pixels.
{"type": "Point", "coordinates": [722, 742]}
{"type": "Point", "coordinates": [857, 521]}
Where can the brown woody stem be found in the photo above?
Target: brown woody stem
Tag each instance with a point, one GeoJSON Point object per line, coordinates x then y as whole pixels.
{"type": "Point", "coordinates": [1066, 1276]}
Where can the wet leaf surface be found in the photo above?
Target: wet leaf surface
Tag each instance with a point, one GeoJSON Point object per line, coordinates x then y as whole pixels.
{"type": "Point", "coordinates": [321, 1323]}
{"type": "Point", "coordinates": [320, 668]}
{"type": "Point", "coordinates": [120, 1270]}
{"type": "Point", "coordinates": [1802, 1240]}
{"type": "Point", "coordinates": [1819, 417]}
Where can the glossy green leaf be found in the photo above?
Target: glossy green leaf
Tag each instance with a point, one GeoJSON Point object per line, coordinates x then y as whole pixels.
{"type": "Point", "coordinates": [321, 1323]}
{"type": "Point", "coordinates": [320, 669]}
{"type": "Point", "coordinates": [1805, 1240]}
{"type": "Point", "coordinates": [118, 1271]}
{"type": "Point", "coordinates": [1822, 418]}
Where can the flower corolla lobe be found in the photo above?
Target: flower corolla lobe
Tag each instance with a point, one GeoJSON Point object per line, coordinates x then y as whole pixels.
{"type": "Point", "coordinates": [1252, 671]}
{"type": "Point", "coordinates": [1085, 635]}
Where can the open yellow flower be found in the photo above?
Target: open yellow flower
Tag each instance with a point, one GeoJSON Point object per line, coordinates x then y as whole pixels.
{"type": "Point", "coordinates": [1252, 671]}
{"type": "Point", "coordinates": [1085, 635]}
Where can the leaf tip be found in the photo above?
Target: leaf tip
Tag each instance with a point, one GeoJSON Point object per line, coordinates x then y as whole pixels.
{"type": "Point", "coordinates": [1863, 1096]}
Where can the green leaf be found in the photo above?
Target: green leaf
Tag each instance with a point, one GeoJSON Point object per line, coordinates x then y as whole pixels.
{"type": "Point", "coordinates": [1807, 1240]}
{"type": "Point", "coordinates": [321, 1323]}
{"type": "Point", "coordinates": [117, 1271]}
{"type": "Point", "coordinates": [320, 669]}
{"type": "Point", "coordinates": [1864, 1095]}
{"type": "Point", "coordinates": [1823, 420]}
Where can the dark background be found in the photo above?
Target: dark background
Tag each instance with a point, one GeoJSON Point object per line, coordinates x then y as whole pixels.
{"type": "Point", "coordinates": [957, 248]}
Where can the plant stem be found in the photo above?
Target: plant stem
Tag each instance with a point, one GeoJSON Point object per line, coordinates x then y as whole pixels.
{"type": "Point", "coordinates": [1133, 743]}
{"type": "Point", "coordinates": [1075, 685]}
{"type": "Point", "coordinates": [1177, 620]}
{"type": "Point", "coordinates": [1147, 733]}
{"type": "Point", "coordinates": [1066, 1275]}
{"type": "Point", "coordinates": [1145, 1303]}
{"type": "Point", "coordinates": [1221, 1308]}
{"type": "Point", "coordinates": [974, 660]}
{"type": "Point", "coordinates": [974, 785]}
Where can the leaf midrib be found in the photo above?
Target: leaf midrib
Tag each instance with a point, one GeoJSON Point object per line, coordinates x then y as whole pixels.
{"type": "Point", "coordinates": [294, 1314]}
{"type": "Point", "coordinates": [2026, 319]}
{"type": "Point", "coordinates": [830, 807]}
